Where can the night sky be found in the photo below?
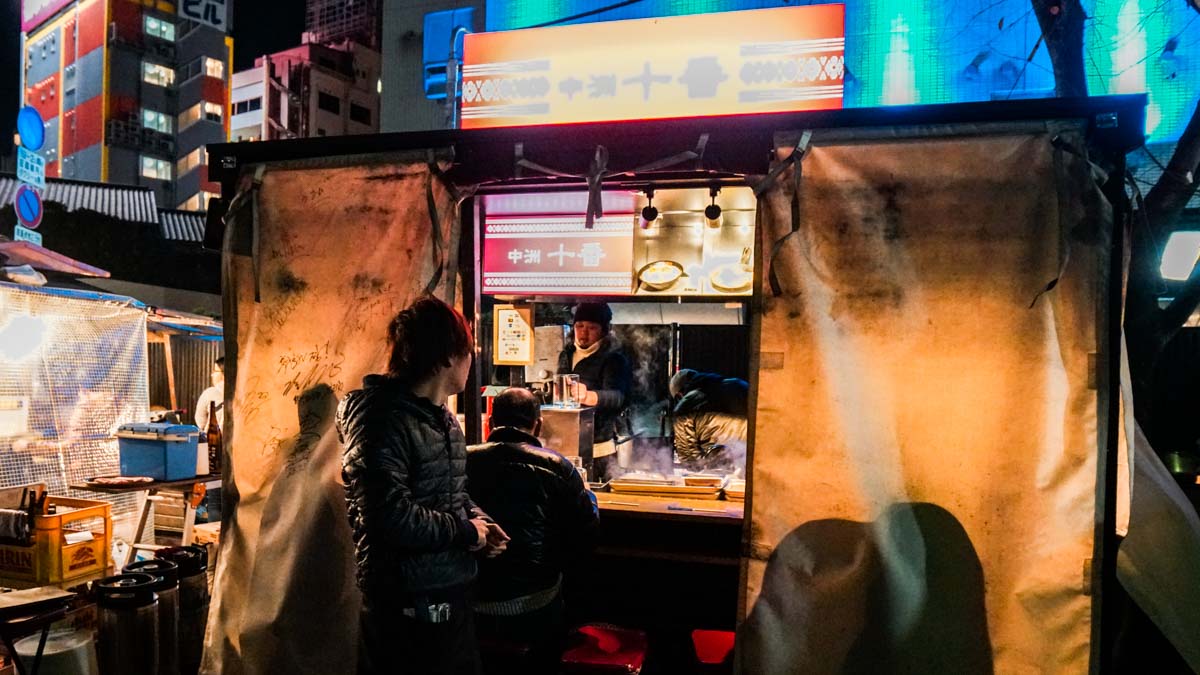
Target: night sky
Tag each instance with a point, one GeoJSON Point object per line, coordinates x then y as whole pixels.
{"type": "Point", "coordinates": [262, 27]}
{"type": "Point", "coordinates": [259, 27]}
{"type": "Point", "coordinates": [10, 72]}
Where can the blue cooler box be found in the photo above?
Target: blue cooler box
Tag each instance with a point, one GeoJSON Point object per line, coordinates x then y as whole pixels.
{"type": "Point", "coordinates": [159, 450]}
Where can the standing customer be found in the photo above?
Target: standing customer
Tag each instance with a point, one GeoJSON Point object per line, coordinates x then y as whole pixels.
{"type": "Point", "coordinates": [213, 394]}
{"type": "Point", "coordinates": [605, 378]}
{"type": "Point", "coordinates": [415, 528]}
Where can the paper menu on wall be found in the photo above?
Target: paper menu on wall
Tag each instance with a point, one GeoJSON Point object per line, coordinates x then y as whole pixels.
{"type": "Point", "coordinates": [513, 344]}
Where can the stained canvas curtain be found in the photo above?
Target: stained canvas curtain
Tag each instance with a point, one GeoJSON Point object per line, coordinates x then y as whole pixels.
{"type": "Point", "coordinates": [924, 481]}
{"type": "Point", "coordinates": [335, 252]}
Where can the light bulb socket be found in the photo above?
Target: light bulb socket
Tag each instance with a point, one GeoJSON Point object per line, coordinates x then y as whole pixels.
{"type": "Point", "coordinates": [713, 213]}
{"type": "Point", "coordinates": [649, 214]}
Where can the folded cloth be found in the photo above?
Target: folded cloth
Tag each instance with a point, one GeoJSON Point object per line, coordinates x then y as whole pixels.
{"type": "Point", "coordinates": [14, 524]}
{"type": "Point", "coordinates": [24, 274]}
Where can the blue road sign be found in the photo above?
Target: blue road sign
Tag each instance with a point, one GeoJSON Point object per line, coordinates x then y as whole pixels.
{"type": "Point", "coordinates": [28, 204]}
{"type": "Point", "coordinates": [31, 127]}
{"type": "Point", "coordinates": [31, 168]}
{"type": "Point", "coordinates": [25, 234]}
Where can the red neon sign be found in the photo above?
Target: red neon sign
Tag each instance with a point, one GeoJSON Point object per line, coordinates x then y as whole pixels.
{"type": "Point", "coordinates": [549, 255]}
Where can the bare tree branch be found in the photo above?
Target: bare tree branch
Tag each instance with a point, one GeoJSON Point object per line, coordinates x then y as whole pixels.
{"type": "Point", "coordinates": [1163, 206]}
{"type": "Point", "coordinates": [1170, 195]}
{"type": "Point", "coordinates": [1061, 22]}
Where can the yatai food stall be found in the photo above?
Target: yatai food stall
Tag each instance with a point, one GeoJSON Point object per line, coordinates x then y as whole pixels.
{"type": "Point", "coordinates": [929, 328]}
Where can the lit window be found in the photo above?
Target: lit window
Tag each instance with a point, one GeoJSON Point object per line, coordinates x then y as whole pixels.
{"type": "Point", "coordinates": [159, 28]}
{"type": "Point", "coordinates": [153, 73]}
{"type": "Point", "coordinates": [1180, 255]}
{"type": "Point", "coordinates": [190, 161]}
{"type": "Point", "coordinates": [152, 167]}
{"type": "Point", "coordinates": [152, 119]}
{"type": "Point", "coordinates": [213, 112]}
{"type": "Point", "coordinates": [191, 203]}
{"type": "Point", "coordinates": [189, 117]}
{"type": "Point", "coordinates": [214, 68]}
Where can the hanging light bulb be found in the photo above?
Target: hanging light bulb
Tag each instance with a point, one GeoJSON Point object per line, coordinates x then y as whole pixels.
{"type": "Point", "coordinates": [712, 212]}
{"type": "Point", "coordinates": [649, 213]}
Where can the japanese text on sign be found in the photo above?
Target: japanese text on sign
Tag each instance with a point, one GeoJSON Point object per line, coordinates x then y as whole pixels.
{"type": "Point", "coordinates": [558, 255]}
{"type": "Point", "coordinates": [31, 168]}
{"type": "Point", "coordinates": [770, 60]}
{"type": "Point", "coordinates": [514, 336]}
{"type": "Point", "coordinates": [211, 12]}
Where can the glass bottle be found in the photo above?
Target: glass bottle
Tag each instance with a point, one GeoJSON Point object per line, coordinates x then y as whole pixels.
{"type": "Point", "coordinates": [214, 440]}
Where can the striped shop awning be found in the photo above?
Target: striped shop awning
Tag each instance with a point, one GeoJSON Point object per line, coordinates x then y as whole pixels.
{"type": "Point", "coordinates": [182, 225]}
{"type": "Point", "coordinates": [126, 202]}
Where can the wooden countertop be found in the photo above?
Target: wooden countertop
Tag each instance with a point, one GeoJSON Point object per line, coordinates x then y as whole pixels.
{"type": "Point", "coordinates": [718, 510]}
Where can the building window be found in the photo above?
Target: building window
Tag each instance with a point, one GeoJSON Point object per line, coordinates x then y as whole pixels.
{"type": "Point", "coordinates": [214, 68]}
{"type": "Point", "coordinates": [152, 167]}
{"type": "Point", "coordinates": [207, 110]}
{"type": "Point", "coordinates": [198, 201]}
{"type": "Point", "coordinates": [159, 28]}
{"type": "Point", "coordinates": [329, 102]}
{"type": "Point", "coordinates": [152, 119]}
{"type": "Point", "coordinates": [189, 117]}
{"type": "Point", "coordinates": [360, 114]}
{"type": "Point", "coordinates": [190, 161]}
{"type": "Point", "coordinates": [249, 105]}
{"type": "Point", "coordinates": [153, 73]}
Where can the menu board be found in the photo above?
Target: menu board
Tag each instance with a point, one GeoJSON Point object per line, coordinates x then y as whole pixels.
{"type": "Point", "coordinates": [536, 244]}
{"type": "Point", "coordinates": [512, 343]}
{"type": "Point", "coordinates": [721, 63]}
{"type": "Point", "coordinates": [557, 255]}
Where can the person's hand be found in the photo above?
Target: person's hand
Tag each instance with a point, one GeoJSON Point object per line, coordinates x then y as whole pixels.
{"type": "Point", "coordinates": [481, 532]}
{"type": "Point", "coordinates": [497, 540]}
{"type": "Point", "coordinates": [584, 396]}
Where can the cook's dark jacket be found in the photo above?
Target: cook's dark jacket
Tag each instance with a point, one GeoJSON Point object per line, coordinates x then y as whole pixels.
{"type": "Point", "coordinates": [608, 373]}
{"type": "Point", "coordinates": [540, 500]}
{"type": "Point", "coordinates": [405, 470]}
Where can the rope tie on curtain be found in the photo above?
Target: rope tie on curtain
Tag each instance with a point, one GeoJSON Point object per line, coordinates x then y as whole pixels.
{"type": "Point", "coordinates": [796, 160]}
{"type": "Point", "coordinates": [247, 192]}
{"type": "Point", "coordinates": [1098, 174]}
{"type": "Point", "coordinates": [598, 170]}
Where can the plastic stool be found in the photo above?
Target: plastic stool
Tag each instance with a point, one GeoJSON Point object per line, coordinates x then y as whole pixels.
{"type": "Point", "coordinates": [501, 656]}
{"type": "Point", "coordinates": [713, 649]}
{"type": "Point", "coordinates": [606, 650]}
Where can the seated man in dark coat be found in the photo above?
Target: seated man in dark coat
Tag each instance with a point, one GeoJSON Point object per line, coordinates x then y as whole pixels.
{"type": "Point", "coordinates": [710, 420]}
{"type": "Point", "coordinates": [540, 500]}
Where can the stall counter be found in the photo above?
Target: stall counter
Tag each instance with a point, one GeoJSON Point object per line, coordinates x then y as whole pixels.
{"type": "Point", "coordinates": [669, 508]}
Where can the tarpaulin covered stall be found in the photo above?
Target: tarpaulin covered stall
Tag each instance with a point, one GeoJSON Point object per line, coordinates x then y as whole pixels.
{"type": "Point", "coordinates": [335, 250]}
{"type": "Point", "coordinates": [935, 441]}
{"type": "Point", "coordinates": [72, 370]}
{"type": "Point", "coordinates": [937, 412]}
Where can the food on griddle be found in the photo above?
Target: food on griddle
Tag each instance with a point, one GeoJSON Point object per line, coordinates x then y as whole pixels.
{"type": "Point", "coordinates": [731, 278]}
{"type": "Point", "coordinates": [661, 274]}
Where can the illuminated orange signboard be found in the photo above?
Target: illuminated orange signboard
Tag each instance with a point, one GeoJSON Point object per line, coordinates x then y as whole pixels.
{"type": "Point", "coordinates": [729, 63]}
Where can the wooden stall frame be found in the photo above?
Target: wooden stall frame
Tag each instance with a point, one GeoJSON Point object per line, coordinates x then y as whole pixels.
{"type": "Point", "coordinates": [741, 143]}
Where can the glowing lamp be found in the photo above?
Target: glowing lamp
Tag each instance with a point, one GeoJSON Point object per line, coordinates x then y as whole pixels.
{"type": "Point", "coordinates": [1180, 255]}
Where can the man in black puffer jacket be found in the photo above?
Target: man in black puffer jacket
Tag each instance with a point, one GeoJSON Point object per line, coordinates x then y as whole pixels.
{"type": "Point", "coordinates": [540, 500]}
{"type": "Point", "coordinates": [415, 528]}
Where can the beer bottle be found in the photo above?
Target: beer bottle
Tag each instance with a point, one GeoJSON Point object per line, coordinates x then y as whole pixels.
{"type": "Point", "coordinates": [214, 440]}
